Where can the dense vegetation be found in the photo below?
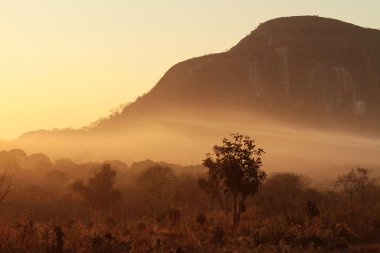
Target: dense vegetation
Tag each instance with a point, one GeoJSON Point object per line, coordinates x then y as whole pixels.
{"type": "Point", "coordinates": [64, 206]}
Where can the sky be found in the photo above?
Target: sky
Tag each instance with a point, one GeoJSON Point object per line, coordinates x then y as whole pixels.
{"type": "Point", "coordinates": [67, 63]}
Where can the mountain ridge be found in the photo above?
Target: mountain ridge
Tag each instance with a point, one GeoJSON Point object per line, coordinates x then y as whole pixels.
{"type": "Point", "coordinates": [292, 64]}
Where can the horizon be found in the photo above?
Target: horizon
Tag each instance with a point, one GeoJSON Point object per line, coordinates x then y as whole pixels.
{"type": "Point", "coordinates": [83, 59]}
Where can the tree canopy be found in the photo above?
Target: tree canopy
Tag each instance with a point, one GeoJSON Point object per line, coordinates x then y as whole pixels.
{"type": "Point", "coordinates": [100, 191]}
{"type": "Point", "coordinates": [235, 166]}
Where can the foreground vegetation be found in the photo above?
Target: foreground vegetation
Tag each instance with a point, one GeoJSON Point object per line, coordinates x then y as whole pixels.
{"type": "Point", "coordinates": [157, 207]}
{"type": "Point", "coordinates": [190, 233]}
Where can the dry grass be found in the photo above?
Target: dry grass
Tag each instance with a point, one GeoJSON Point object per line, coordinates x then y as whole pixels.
{"type": "Point", "coordinates": [190, 233]}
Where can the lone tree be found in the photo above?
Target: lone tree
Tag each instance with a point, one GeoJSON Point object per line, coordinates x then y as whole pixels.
{"type": "Point", "coordinates": [236, 166]}
{"type": "Point", "coordinates": [100, 191]}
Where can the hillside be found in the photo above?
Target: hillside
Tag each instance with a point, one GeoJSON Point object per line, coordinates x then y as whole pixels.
{"type": "Point", "coordinates": [298, 66]}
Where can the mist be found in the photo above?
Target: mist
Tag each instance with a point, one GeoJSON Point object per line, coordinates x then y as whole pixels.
{"type": "Point", "coordinates": [318, 153]}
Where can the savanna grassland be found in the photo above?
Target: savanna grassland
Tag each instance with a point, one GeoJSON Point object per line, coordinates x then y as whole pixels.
{"type": "Point", "coordinates": [227, 204]}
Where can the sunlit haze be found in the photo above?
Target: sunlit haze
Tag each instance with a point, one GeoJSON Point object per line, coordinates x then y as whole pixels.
{"type": "Point", "coordinates": [67, 63]}
{"type": "Point", "coordinates": [180, 126]}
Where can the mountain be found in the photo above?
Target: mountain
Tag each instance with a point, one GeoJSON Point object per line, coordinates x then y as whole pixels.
{"type": "Point", "coordinates": [301, 66]}
{"type": "Point", "coordinates": [299, 85]}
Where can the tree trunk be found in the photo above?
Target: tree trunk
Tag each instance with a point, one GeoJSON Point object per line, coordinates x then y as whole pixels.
{"type": "Point", "coordinates": [220, 201]}
{"type": "Point", "coordinates": [352, 201]}
{"type": "Point", "coordinates": [212, 203]}
{"type": "Point", "coordinates": [240, 210]}
{"type": "Point", "coordinates": [235, 213]}
{"type": "Point", "coordinates": [216, 193]}
{"type": "Point", "coordinates": [227, 206]}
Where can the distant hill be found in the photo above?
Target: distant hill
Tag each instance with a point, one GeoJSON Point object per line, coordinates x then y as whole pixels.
{"type": "Point", "coordinates": [298, 66]}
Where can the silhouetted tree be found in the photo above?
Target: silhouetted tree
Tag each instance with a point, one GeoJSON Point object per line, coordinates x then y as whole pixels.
{"type": "Point", "coordinates": [39, 161]}
{"type": "Point", "coordinates": [56, 179]}
{"type": "Point", "coordinates": [57, 242]}
{"type": "Point", "coordinates": [357, 182]}
{"type": "Point", "coordinates": [311, 209]}
{"type": "Point", "coordinates": [237, 166]}
{"type": "Point", "coordinates": [285, 194]}
{"type": "Point", "coordinates": [19, 154]}
{"type": "Point", "coordinates": [157, 183]}
{"type": "Point", "coordinates": [9, 161]}
{"type": "Point", "coordinates": [100, 191]}
{"type": "Point", "coordinates": [5, 185]}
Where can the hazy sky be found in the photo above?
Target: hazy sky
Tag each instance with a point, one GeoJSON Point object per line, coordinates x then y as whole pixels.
{"type": "Point", "coordinates": [66, 63]}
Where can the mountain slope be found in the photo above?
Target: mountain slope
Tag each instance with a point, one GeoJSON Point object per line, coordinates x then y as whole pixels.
{"type": "Point", "coordinates": [296, 65]}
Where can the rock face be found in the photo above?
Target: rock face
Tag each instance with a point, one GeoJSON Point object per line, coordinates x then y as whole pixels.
{"type": "Point", "coordinates": [303, 64]}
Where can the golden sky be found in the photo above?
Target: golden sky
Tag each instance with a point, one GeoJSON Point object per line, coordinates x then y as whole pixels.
{"type": "Point", "coordinates": [66, 63]}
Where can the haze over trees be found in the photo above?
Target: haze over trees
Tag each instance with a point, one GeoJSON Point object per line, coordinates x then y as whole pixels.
{"type": "Point", "coordinates": [100, 191]}
{"type": "Point", "coordinates": [157, 183]}
{"type": "Point", "coordinates": [150, 206]}
{"type": "Point", "coordinates": [358, 185]}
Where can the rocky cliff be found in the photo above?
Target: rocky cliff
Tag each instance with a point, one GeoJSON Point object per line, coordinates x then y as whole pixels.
{"type": "Point", "coordinates": [299, 66]}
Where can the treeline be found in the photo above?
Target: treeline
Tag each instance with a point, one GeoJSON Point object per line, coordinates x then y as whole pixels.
{"type": "Point", "coordinates": [284, 208]}
{"type": "Point", "coordinates": [43, 190]}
